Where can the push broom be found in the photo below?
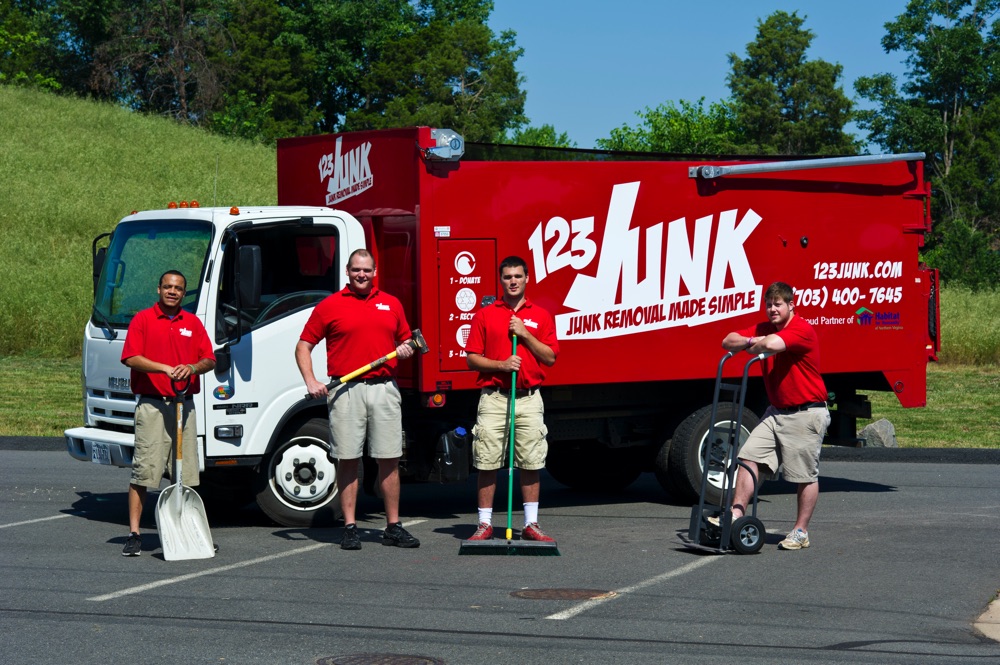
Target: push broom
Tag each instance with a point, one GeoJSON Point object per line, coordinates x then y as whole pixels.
{"type": "Point", "coordinates": [510, 546]}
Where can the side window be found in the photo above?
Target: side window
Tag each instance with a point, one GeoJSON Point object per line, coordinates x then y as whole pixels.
{"type": "Point", "coordinates": [299, 268]}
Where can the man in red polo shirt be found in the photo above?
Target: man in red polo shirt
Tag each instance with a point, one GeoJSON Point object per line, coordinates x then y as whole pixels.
{"type": "Point", "coordinates": [791, 432]}
{"type": "Point", "coordinates": [359, 324]}
{"type": "Point", "coordinates": [489, 352]}
{"type": "Point", "coordinates": [164, 344]}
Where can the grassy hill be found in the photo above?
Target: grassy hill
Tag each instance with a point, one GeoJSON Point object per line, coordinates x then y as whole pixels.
{"type": "Point", "coordinates": [69, 169]}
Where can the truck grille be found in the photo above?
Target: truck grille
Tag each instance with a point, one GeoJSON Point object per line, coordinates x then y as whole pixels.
{"type": "Point", "coordinates": [111, 410]}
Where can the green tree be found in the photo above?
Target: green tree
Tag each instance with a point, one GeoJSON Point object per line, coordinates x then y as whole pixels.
{"type": "Point", "coordinates": [26, 46]}
{"type": "Point", "coordinates": [450, 71]}
{"type": "Point", "coordinates": [159, 58]}
{"type": "Point", "coordinates": [544, 136]}
{"type": "Point", "coordinates": [784, 102]}
{"type": "Point", "coordinates": [947, 106]}
{"type": "Point", "coordinates": [686, 127]}
{"type": "Point", "coordinates": [347, 38]}
{"type": "Point", "coordinates": [268, 73]}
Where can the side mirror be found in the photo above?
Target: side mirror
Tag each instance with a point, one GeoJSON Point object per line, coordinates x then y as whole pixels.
{"type": "Point", "coordinates": [223, 360]}
{"type": "Point", "coordinates": [249, 276]}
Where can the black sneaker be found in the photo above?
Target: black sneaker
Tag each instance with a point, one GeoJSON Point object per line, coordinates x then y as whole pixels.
{"type": "Point", "coordinates": [351, 540]}
{"type": "Point", "coordinates": [396, 536]}
{"type": "Point", "coordinates": [133, 545]}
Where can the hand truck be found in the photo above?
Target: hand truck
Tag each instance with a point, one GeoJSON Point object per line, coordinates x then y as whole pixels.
{"type": "Point", "coordinates": [746, 534]}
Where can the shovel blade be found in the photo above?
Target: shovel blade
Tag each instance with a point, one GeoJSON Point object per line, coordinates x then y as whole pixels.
{"type": "Point", "coordinates": [183, 525]}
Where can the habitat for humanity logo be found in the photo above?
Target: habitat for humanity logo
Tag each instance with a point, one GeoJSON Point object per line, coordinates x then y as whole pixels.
{"type": "Point", "coordinates": [880, 320]}
{"type": "Point", "coordinates": [349, 174]}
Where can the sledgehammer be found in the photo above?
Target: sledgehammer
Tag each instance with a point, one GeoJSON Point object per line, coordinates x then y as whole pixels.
{"type": "Point", "coordinates": [417, 342]}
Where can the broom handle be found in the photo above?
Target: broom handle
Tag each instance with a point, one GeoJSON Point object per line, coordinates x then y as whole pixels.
{"type": "Point", "coordinates": [510, 462]}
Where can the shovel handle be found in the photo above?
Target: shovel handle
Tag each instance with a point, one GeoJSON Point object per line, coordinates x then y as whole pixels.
{"type": "Point", "coordinates": [180, 389]}
{"type": "Point", "coordinates": [180, 386]}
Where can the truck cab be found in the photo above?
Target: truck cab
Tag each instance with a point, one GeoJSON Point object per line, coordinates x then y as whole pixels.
{"type": "Point", "coordinates": [253, 276]}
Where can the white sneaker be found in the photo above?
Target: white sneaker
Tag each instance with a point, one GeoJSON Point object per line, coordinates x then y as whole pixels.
{"type": "Point", "coordinates": [796, 540]}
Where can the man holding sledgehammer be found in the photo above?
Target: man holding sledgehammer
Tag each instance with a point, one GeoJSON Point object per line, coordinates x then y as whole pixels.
{"type": "Point", "coordinates": [489, 350]}
{"type": "Point", "coordinates": [359, 323]}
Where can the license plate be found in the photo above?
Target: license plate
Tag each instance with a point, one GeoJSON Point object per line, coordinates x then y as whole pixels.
{"type": "Point", "coordinates": [100, 453]}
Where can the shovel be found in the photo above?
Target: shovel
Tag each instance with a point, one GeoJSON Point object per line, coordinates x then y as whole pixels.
{"type": "Point", "coordinates": [180, 513]}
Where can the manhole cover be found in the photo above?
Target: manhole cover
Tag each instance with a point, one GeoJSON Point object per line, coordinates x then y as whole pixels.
{"type": "Point", "coordinates": [379, 659]}
{"type": "Point", "coordinates": [561, 594]}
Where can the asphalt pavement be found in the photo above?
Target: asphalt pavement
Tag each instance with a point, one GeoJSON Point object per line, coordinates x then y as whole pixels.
{"type": "Point", "coordinates": [903, 561]}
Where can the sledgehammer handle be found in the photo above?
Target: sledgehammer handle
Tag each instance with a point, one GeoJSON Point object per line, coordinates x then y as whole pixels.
{"type": "Point", "coordinates": [361, 370]}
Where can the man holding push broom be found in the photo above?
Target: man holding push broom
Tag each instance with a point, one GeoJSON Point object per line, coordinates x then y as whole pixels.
{"type": "Point", "coordinates": [511, 337]}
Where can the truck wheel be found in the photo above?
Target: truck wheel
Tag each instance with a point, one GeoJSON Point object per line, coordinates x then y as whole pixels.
{"type": "Point", "coordinates": [297, 481]}
{"type": "Point", "coordinates": [686, 455]}
{"type": "Point", "coordinates": [587, 465]}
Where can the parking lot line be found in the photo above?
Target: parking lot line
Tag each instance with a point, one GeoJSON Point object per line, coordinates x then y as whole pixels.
{"type": "Point", "coordinates": [211, 571]}
{"type": "Point", "coordinates": [40, 519]}
{"type": "Point", "coordinates": [594, 602]}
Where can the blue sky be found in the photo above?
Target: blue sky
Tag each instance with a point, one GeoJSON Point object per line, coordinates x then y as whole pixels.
{"type": "Point", "coordinates": [590, 65]}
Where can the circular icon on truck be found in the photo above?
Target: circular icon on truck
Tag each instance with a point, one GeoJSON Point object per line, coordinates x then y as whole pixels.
{"type": "Point", "coordinates": [462, 335]}
{"type": "Point", "coordinates": [465, 299]}
{"type": "Point", "coordinates": [465, 263]}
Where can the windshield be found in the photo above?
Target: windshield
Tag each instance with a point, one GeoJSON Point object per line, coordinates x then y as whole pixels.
{"type": "Point", "coordinates": [138, 254]}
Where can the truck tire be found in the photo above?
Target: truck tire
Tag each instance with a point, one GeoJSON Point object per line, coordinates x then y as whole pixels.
{"type": "Point", "coordinates": [297, 481]}
{"type": "Point", "coordinates": [590, 466]}
{"type": "Point", "coordinates": [686, 453]}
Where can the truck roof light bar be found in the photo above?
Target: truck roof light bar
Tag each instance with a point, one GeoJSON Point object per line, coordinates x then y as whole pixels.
{"type": "Point", "coordinates": [449, 146]}
{"type": "Point", "coordinates": [708, 172]}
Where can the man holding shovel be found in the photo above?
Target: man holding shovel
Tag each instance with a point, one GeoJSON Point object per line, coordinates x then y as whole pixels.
{"type": "Point", "coordinates": [164, 345]}
{"type": "Point", "coordinates": [360, 323]}
{"type": "Point", "coordinates": [489, 349]}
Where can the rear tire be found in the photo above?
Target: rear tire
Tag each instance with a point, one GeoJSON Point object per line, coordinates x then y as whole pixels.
{"type": "Point", "coordinates": [297, 481]}
{"type": "Point", "coordinates": [589, 466]}
{"type": "Point", "coordinates": [686, 454]}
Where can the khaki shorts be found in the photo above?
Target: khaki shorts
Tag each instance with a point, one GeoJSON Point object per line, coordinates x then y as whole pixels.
{"type": "Point", "coordinates": [155, 429]}
{"type": "Point", "coordinates": [366, 411]}
{"type": "Point", "coordinates": [490, 434]}
{"type": "Point", "coordinates": [791, 440]}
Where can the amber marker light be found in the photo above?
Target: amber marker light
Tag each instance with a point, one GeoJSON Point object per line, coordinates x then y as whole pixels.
{"type": "Point", "coordinates": [436, 400]}
{"type": "Point", "coordinates": [172, 205]}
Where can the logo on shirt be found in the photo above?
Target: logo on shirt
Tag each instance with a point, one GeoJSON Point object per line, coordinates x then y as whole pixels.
{"type": "Point", "coordinates": [185, 332]}
{"type": "Point", "coordinates": [382, 306]}
{"type": "Point", "coordinates": [528, 323]}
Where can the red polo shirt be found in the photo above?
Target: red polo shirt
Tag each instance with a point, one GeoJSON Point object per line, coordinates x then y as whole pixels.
{"type": "Point", "coordinates": [490, 337]}
{"type": "Point", "coordinates": [357, 331]}
{"type": "Point", "coordinates": [791, 377]}
{"type": "Point", "coordinates": [180, 340]}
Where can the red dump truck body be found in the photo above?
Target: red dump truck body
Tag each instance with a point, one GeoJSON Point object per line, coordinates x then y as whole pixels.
{"type": "Point", "coordinates": [645, 264]}
{"type": "Point", "coordinates": [644, 268]}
